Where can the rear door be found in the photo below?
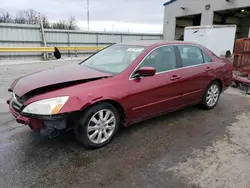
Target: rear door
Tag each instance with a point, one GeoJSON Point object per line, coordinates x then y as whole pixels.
{"type": "Point", "coordinates": [197, 72]}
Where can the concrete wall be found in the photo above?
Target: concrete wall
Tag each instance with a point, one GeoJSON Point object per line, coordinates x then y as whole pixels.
{"type": "Point", "coordinates": [174, 10]}
{"type": "Point", "coordinates": [21, 35]}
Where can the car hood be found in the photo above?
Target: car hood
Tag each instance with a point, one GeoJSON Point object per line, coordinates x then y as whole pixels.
{"type": "Point", "coordinates": [56, 77]}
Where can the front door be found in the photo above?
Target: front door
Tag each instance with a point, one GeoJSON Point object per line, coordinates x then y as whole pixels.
{"type": "Point", "coordinates": [158, 93]}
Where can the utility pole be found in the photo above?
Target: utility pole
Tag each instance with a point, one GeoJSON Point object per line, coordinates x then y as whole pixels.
{"type": "Point", "coordinates": [45, 55]}
{"type": "Point", "coordinates": [88, 13]}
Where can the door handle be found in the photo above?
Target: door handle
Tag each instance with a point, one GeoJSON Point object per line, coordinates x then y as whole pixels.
{"type": "Point", "coordinates": [208, 69]}
{"type": "Point", "coordinates": [175, 77]}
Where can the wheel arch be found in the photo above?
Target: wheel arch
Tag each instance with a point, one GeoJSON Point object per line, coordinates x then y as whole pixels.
{"type": "Point", "coordinates": [219, 82]}
{"type": "Point", "coordinates": [115, 103]}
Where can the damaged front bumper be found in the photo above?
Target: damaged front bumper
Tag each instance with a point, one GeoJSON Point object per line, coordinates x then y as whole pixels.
{"type": "Point", "coordinates": [33, 123]}
{"type": "Point", "coordinates": [48, 125]}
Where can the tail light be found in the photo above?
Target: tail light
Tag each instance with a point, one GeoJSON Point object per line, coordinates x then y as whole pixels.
{"type": "Point", "coordinates": [229, 64]}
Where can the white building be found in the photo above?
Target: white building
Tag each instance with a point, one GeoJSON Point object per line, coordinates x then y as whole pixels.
{"type": "Point", "coordinates": [181, 13]}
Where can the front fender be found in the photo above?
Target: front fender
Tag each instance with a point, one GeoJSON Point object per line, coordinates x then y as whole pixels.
{"type": "Point", "coordinates": [78, 104]}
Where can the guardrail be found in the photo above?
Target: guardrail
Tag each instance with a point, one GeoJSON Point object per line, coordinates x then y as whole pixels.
{"type": "Point", "coordinates": [79, 48]}
{"type": "Point", "coordinates": [50, 49]}
{"type": "Point", "coordinates": [55, 50]}
{"type": "Point", "coordinates": [27, 49]}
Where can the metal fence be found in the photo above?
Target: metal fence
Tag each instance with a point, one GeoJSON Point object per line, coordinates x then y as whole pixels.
{"type": "Point", "coordinates": [22, 35]}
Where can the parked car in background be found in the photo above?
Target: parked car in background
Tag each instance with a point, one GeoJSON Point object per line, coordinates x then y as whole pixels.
{"type": "Point", "coordinates": [123, 84]}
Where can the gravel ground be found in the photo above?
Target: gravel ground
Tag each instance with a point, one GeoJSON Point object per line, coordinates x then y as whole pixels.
{"type": "Point", "coordinates": [187, 148]}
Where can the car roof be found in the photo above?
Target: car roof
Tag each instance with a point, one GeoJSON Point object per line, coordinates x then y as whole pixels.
{"type": "Point", "coordinates": [148, 43]}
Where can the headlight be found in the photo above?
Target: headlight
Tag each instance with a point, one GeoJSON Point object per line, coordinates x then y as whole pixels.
{"type": "Point", "coordinates": [46, 107]}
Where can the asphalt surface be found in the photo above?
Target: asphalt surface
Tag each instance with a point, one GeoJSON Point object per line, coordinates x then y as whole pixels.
{"type": "Point", "coordinates": [187, 148]}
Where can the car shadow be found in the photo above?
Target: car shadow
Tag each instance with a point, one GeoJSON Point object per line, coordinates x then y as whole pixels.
{"type": "Point", "coordinates": [153, 133]}
{"type": "Point", "coordinates": [67, 138]}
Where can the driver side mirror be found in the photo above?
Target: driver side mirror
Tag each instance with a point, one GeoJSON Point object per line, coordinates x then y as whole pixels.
{"type": "Point", "coordinates": [145, 72]}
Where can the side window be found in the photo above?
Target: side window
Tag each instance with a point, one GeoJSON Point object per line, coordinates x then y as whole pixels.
{"type": "Point", "coordinates": [206, 58]}
{"type": "Point", "coordinates": [162, 59]}
{"type": "Point", "coordinates": [190, 55]}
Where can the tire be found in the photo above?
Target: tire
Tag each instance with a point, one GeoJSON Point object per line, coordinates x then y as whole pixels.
{"type": "Point", "coordinates": [92, 124]}
{"type": "Point", "coordinates": [205, 100]}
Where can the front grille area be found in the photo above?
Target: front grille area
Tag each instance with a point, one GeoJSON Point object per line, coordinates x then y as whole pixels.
{"type": "Point", "coordinates": [19, 99]}
{"type": "Point", "coordinates": [16, 103]}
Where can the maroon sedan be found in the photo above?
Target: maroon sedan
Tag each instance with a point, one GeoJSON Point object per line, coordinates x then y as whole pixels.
{"type": "Point", "coordinates": [120, 85]}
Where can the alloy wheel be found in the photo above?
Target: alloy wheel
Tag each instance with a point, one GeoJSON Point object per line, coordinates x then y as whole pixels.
{"type": "Point", "coordinates": [101, 126]}
{"type": "Point", "coordinates": [212, 95]}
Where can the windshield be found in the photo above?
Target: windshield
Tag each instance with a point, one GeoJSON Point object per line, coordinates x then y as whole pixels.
{"type": "Point", "coordinates": [114, 59]}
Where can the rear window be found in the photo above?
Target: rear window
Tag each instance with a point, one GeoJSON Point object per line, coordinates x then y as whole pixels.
{"type": "Point", "coordinates": [207, 59]}
{"type": "Point", "coordinates": [190, 55]}
{"type": "Point", "coordinates": [213, 53]}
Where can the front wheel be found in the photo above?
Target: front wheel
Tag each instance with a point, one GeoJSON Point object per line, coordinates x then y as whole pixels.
{"type": "Point", "coordinates": [97, 126]}
{"type": "Point", "coordinates": [211, 96]}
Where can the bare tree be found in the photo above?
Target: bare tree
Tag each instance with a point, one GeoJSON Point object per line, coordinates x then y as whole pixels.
{"type": "Point", "coordinates": [45, 21]}
{"type": "Point", "coordinates": [20, 18]}
{"type": "Point", "coordinates": [5, 17]}
{"type": "Point", "coordinates": [31, 16]}
{"type": "Point", "coordinates": [72, 23]}
{"type": "Point", "coordinates": [62, 24]}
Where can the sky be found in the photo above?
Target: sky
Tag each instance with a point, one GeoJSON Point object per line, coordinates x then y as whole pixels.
{"type": "Point", "coordinates": [110, 15]}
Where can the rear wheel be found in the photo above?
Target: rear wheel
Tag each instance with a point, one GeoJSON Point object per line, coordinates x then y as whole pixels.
{"type": "Point", "coordinates": [211, 96]}
{"type": "Point", "coordinates": [97, 126]}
